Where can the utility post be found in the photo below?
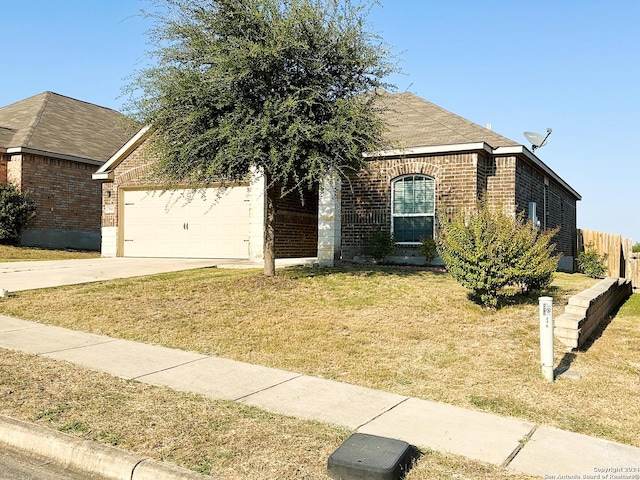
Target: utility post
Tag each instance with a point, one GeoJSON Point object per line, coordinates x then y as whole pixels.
{"type": "Point", "coordinates": [546, 337]}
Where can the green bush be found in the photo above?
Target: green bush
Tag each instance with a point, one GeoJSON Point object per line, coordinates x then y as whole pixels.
{"type": "Point", "coordinates": [382, 244]}
{"type": "Point", "coordinates": [636, 247]}
{"type": "Point", "coordinates": [494, 254]}
{"type": "Point", "coordinates": [16, 209]}
{"type": "Point", "coordinates": [428, 249]}
{"type": "Point", "coordinates": [591, 263]}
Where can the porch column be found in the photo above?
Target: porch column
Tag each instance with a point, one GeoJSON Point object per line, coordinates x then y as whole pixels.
{"type": "Point", "coordinates": [329, 221]}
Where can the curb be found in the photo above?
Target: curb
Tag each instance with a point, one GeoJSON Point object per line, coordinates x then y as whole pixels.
{"type": "Point", "coordinates": [86, 455]}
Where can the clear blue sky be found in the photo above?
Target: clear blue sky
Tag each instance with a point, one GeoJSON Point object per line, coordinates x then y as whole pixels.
{"type": "Point", "coordinates": [571, 65]}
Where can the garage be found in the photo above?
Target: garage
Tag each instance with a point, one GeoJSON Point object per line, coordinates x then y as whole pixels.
{"type": "Point", "coordinates": [141, 219]}
{"type": "Point", "coordinates": [179, 224]}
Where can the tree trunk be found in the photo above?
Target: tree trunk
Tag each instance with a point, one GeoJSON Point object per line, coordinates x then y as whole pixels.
{"type": "Point", "coordinates": [270, 229]}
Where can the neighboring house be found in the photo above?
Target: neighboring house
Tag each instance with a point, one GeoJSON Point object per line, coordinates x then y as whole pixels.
{"type": "Point", "coordinates": [439, 160]}
{"type": "Point", "coordinates": [50, 145]}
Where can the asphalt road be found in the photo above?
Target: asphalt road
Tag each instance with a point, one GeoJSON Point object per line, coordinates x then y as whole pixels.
{"type": "Point", "coordinates": [15, 465]}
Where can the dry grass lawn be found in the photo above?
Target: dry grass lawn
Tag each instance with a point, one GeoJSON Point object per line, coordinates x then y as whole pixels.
{"type": "Point", "coordinates": [19, 254]}
{"type": "Point", "coordinates": [224, 439]}
{"type": "Point", "coordinates": [407, 331]}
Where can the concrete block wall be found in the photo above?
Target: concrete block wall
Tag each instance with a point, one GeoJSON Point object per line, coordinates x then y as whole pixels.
{"type": "Point", "coordinates": [588, 309]}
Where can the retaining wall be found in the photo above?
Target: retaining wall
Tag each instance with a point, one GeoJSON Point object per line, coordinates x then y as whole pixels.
{"type": "Point", "coordinates": [588, 309]}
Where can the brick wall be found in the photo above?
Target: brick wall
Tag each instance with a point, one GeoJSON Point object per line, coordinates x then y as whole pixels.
{"type": "Point", "coordinates": [366, 199]}
{"type": "Point", "coordinates": [3, 169]}
{"type": "Point", "coordinates": [498, 180]}
{"type": "Point", "coordinates": [132, 171]}
{"type": "Point", "coordinates": [555, 206]}
{"type": "Point", "coordinates": [14, 170]}
{"type": "Point", "coordinates": [296, 229]}
{"type": "Point", "coordinates": [461, 180]}
{"type": "Point", "coordinates": [67, 199]}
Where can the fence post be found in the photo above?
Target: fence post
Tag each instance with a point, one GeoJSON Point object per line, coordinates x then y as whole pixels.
{"type": "Point", "coordinates": [546, 337]}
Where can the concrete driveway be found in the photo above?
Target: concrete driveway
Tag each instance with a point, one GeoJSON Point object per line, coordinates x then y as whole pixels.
{"type": "Point", "coordinates": [15, 276]}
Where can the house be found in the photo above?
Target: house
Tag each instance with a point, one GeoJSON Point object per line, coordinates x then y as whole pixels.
{"type": "Point", "coordinates": [442, 160]}
{"type": "Point", "coordinates": [438, 160]}
{"type": "Point", "coordinates": [50, 145]}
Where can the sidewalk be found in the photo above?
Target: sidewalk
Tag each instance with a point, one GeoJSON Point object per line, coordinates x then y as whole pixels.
{"type": "Point", "coordinates": [516, 444]}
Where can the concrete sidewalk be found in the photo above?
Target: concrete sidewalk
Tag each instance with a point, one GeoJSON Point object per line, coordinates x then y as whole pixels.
{"type": "Point", "coordinates": [515, 444]}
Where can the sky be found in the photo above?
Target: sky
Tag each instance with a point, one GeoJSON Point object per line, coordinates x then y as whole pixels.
{"type": "Point", "coordinates": [569, 65]}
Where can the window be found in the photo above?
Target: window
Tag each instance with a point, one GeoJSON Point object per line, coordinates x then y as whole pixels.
{"type": "Point", "coordinates": [412, 208]}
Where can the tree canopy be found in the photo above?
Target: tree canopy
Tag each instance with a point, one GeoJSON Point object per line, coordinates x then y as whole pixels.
{"type": "Point", "coordinates": [285, 87]}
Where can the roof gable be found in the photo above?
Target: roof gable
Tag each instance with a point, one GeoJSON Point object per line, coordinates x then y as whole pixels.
{"type": "Point", "coordinates": [55, 124]}
{"type": "Point", "coordinates": [415, 122]}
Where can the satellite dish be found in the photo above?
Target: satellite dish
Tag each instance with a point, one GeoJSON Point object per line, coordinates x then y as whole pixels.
{"type": "Point", "coordinates": [537, 140]}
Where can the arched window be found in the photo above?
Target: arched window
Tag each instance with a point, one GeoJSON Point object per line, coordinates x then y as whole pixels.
{"type": "Point", "coordinates": [412, 208]}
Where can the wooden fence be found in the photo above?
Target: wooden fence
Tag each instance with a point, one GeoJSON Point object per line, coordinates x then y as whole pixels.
{"type": "Point", "coordinates": [621, 261]}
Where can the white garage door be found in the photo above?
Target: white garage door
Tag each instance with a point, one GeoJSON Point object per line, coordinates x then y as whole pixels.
{"type": "Point", "coordinates": [167, 225]}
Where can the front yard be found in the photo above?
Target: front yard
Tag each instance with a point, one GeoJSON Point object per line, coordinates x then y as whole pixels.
{"type": "Point", "coordinates": [407, 331]}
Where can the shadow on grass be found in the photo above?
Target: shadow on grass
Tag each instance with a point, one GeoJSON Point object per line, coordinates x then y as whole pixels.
{"type": "Point", "coordinates": [565, 364]}
{"type": "Point", "coordinates": [513, 299]}
{"type": "Point", "coordinates": [416, 455]}
{"type": "Point", "coordinates": [361, 270]}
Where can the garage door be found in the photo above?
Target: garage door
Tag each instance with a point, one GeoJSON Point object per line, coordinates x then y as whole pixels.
{"type": "Point", "coordinates": [168, 225]}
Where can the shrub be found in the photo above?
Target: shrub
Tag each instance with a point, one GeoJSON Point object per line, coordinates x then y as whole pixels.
{"type": "Point", "coordinates": [428, 249]}
{"type": "Point", "coordinates": [16, 209]}
{"type": "Point", "coordinates": [382, 244]}
{"type": "Point", "coordinates": [490, 252]}
{"type": "Point", "coordinates": [636, 247]}
{"type": "Point", "coordinates": [591, 263]}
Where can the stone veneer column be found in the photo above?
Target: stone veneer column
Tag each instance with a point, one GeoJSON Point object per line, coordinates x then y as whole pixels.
{"type": "Point", "coordinates": [109, 242]}
{"type": "Point", "coordinates": [329, 221]}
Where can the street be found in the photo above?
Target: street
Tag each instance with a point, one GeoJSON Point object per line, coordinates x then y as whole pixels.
{"type": "Point", "coordinates": [14, 465]}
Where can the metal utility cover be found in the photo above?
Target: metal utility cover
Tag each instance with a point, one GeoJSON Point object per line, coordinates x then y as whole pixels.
{"type": "Point", "coordinates": [364, 456]}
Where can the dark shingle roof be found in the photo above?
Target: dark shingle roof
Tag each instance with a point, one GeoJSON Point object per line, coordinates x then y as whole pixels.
{"type": "Point", "coordinates": [53, 123]}
{"type": "Point", "coordinates": [415, 122]}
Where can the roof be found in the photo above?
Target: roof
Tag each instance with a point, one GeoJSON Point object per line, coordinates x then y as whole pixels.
{"type": "Point", "coordinates": [416, 122]}
{"type": "Point", "coordinates": [56, 125]}
{"type": "Point", "coordinates": [417, 126]}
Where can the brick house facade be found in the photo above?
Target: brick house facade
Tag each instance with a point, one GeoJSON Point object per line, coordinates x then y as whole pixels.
{"type": "Point", "coordinates": [463, 163]}
{"type": "Point", "coordinates": [453, 160]}
{"type": "Point", "coordinates": [50, 145]}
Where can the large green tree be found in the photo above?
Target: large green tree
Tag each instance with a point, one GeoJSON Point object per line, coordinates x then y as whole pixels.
{"type": "Point", "coordinates": [286, 88]}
